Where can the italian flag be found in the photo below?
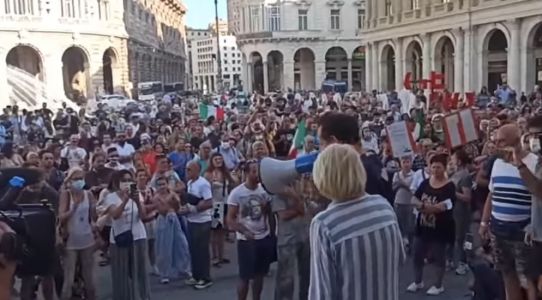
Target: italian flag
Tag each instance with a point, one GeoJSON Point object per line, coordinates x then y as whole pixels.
{"type": "Point", "coordinates": [299, 139]}
{"type": "Point", "coordinates": [419, 124]}
{"type": "Point", "coordinates": [206, 111]}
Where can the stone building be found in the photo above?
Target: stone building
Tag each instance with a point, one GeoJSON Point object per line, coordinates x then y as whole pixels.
{"type": "Point", "coordinates": [193, 34]}
{"type": "Point", "coordinates": [75, 49]}
{"type": "Point", "coordinates": [474, 43]}
{"type": "Point", "coordinates": [300, 43]}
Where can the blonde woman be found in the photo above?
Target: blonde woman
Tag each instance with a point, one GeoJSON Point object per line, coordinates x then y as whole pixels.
{"type": "Point", "coordinates": [356, 242]}
{"type": "Point", "coordinates": [77, 215]}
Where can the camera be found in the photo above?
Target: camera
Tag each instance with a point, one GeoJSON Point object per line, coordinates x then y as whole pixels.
{"type": "Point", "coordinates": [32, 245]}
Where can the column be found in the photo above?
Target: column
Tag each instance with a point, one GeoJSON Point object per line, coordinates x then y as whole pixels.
{"type": "Point", "coordinates": [288, 75]}
{"type": "Point", "coordinates": [4, 89]}
{"type": "Point", "coordinates": [458, 60]}
{"type": "Point", "coordinates": [319, 73]}
{"type": "Point", "coordinates": [399, 62]}
{"type": "Point", "coordinates": [55, 80]}
{"type": "Point", "coordinates": [249, 77]}
{"type": "Point", "coordinates": [375, 69]}
{"type": "Point", "coordinates": [426, 56]}
{"type": "Point", "coordinates": [514, 78]}
{"type": "Point", "coordinates": [368, 67]}
{"type": "Point", "coordinates": [265, 77]}
{"type": "Point", "coordinates": [350, 74]}
{"type": "Point", "coordinates": [467, 61]}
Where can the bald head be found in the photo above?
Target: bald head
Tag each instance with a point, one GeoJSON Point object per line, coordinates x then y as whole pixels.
{"type": "Point", "coordinates": [508, 135]}
{"type": "Point", "coordinates": [193, 170]}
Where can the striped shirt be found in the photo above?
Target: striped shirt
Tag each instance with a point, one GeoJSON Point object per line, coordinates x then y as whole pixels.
{"type": "Point", "coordinates": [357, 250]}
{"type": "Point", "coordinates": [510, 199]}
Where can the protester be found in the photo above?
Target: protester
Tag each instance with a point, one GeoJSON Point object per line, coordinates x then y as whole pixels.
{"type": "Point", "coordinates": [77, 215]}
{"type": "Point", "coordinates": [346, 228]}
{"type": "Point", "coordinates": [248, 215]}
{"type": "Point", "coordinates": [128, 239]}
{"type": "Point", "coordinates": [198, 215]}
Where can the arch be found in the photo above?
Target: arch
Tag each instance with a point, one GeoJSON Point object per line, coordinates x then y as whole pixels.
{"type": "Point", "coordinates": [304, 69]}
{"type": "Point", "coordinates": [358, 69]}
{"type": "Point", "coordinates": [256, 60]}
{"type": "Point", "coordinates": [75, 70]}
{"type": "Point", "coordinates": [336, 63]}
{"type": "Point", "coordinates": [414, 60]}
{"type": "Point", "coordinates": [534, 56]}
{"type": "Point", "coordinates": [444, 60]}
{"type": "Point", "coordinates": [495, 58]}
{"type": "Point", "coordinates": [109, 64]}
{"type": "Point", "coordinates": [387, 68]}
{"type": "Point", "coordinates": [25, 76]}
{"type": "Point", "coordinates": [275, 67]}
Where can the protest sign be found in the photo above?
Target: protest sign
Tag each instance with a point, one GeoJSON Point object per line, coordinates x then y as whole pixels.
{"type": "Point", "coordinates": [460, 128]}
{"type": "Point", "coordinates": [400, 139]}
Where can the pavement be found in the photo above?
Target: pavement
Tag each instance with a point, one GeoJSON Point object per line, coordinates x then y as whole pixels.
{"type": "Point", "coordinates": [225, 282]}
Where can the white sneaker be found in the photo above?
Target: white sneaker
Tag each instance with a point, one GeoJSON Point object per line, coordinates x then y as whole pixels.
{"type": "Point", "coordinates": [164, 281]}
{"type": "Point", "coordinates": [414, 287]}
{"type": "Point", "coordinates": [461, 269]}
{"type": "Point", "coordinates": [155, 271]}
{"type": "Point", "coordinates": [435, 291]}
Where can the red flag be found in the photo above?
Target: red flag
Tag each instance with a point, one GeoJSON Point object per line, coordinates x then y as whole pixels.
{"type": "Point", "coordinates": [220, 113]}
{"type": "Point", "coordinates": [470, 99]}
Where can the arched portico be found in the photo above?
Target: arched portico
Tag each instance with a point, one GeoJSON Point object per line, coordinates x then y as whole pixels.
{"type": "Point", "coordinates": [75, 70]}
{"type": "Point", "coordinates": [304, 70]}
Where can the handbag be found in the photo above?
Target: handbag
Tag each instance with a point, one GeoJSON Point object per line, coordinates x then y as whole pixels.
{"type": "Point", "coordinates": [190, 198]}
{"type": "Point", "coordinates": [64, 163]}
{"type": "Point", "coordinates": [125, 239]}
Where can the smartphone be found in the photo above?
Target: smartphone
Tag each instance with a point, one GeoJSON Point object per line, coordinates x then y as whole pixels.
{"type": "Point", "coordinates": [133, 191]}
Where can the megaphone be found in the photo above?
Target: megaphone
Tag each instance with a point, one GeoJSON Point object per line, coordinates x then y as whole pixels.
{"type": "Point", "coordinates": [276, 174]}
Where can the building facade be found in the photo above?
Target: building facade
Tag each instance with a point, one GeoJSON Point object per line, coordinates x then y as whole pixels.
{"type": "Point", "coordinates": [204, 63]}
{"type": "Point", "coordinates": [473, 43]}
{"type": "Point", "coordinates": [298, 44]}
{"type": "Point", "coordinates": [192, 35]}
{"type": "Point", "coordinates": [76, 49]}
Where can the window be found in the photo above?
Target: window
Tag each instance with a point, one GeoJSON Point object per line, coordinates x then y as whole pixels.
{"type": "Point", "coordinates": [226, 69]}
{"type": "Point", "coordinates": [225, 62]}
{"type": "Point", "coordinates": [361, 18]}
{"type": "Point", "coordinates": [388, 8]}
{"type": "Point", "coordinates": [274, 18]}
{"type": "Point", "coordinates": [414, 4]}
{"type": "Point", "coordinates": [302, 18]}
{"type": "Point", "coordinates": [225, 48]}
{"type": "Point", "coordinates": [254, 18]}
{"type": "Point", "coordinates": [335, 19]}
{"type": "Point", "coordinates": [71, 8]}
{"type": "Point", "coordinates": [232, 48]}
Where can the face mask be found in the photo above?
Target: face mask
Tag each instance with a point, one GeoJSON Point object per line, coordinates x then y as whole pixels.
{"type": "Point", "coordinates": [534, 144]}
{"type": "Point", "coordinates": [225, 145]}
{"type": "Point", "coordinates": [78, 184]}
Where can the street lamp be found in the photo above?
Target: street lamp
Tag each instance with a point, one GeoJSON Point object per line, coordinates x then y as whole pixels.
{"type": "Point", "coordinates": [218, 58]}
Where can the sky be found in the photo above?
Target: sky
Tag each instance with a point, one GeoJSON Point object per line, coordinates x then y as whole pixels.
{"type": "Point", "coordinates": [202, 12]}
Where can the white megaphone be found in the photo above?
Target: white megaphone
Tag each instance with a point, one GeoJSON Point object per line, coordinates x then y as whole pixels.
{"type": "Point", "coordinates": [276, 174]}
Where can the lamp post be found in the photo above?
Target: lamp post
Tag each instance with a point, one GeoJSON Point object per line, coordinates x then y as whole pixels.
{"type": "Point", "coordinates": [218, 58]}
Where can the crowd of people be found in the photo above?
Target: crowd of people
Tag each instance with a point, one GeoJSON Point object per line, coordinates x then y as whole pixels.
{"type": "Point", "coordinates": [162, 191]}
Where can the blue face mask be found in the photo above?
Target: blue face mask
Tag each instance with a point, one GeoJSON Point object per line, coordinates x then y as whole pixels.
{"type": "Point", "coordinates": [78, 184]}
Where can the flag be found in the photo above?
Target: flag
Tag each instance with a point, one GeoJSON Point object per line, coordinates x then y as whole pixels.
{"type": "Point", "coordinates": [299, 139]}
{"type": "Point", "coordinates": [206, 111]}
{"type": "Point", "coordinates": [419, 125]}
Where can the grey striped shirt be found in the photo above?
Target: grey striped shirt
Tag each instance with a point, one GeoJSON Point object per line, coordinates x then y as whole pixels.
{"type": "Point", "coordinates": [356, 251]}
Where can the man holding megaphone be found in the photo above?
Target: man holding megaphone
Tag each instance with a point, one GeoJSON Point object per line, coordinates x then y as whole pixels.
{"type": "Point", "coordinates": [334, 128]}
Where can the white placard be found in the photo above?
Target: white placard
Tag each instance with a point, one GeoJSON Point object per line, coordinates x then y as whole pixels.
{"type": "Point", "coordinates": [452, 125]}
{"type": "Point", "coordinates": [469, 128]}
{"type": "Point", "coordinates": [400, 139]}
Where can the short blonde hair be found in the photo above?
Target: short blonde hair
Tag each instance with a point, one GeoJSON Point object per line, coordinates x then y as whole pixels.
{"type": "Point", "coordinates": [338, 173]}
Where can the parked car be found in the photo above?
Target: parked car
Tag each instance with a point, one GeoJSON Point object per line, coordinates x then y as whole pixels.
{"type": "Point", "coordinates": [116, 102]}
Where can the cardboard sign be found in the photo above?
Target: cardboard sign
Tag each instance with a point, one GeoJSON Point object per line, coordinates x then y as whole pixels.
{"type": "Point", "coordinates": [400, 139]}
{"type": "Point", "coordinates": [460, 128]}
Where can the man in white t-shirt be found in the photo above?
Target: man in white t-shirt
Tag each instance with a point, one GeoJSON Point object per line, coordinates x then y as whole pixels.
{"type": "Point", "coordinates": [73, 153]}
{"type": "Point", "coordinates": [199, 219]}
{"type": "Point", "coordinates": [248, 215]}
{"type": "Point", "coordinates": [126, 151]}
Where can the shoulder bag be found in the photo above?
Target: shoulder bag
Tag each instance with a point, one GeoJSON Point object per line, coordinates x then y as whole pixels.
{"type": "Point", "coordinates": [125, 239]}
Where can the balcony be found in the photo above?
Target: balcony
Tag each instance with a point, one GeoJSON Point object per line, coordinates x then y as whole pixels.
{"type": "Point", "coordinates": [443, 8]}
{"type": "Point", "coordinates": [283, 34]}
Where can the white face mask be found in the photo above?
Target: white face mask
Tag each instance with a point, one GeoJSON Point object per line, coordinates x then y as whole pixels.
{"type": "Point", "coordinates": [225, 145]}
